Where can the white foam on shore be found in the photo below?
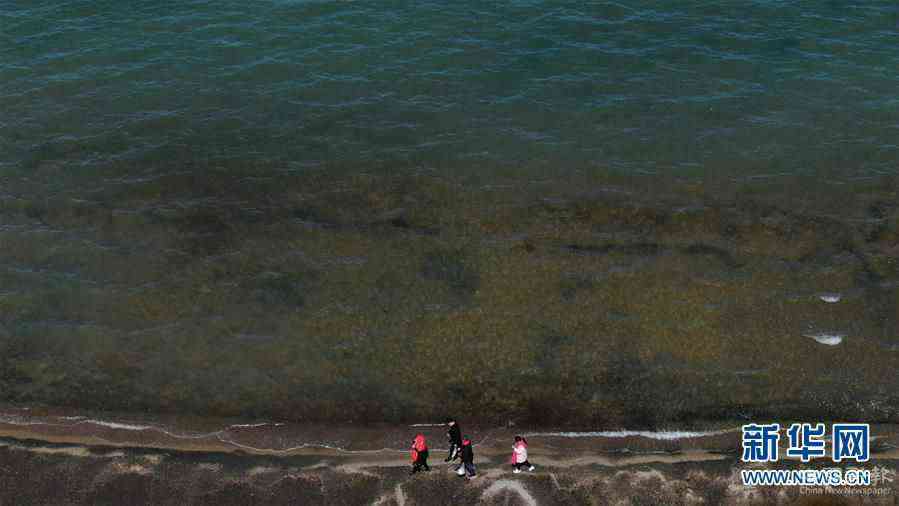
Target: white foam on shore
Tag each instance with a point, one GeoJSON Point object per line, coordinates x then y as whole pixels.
{"type": "Point", "coordinates": [138, 428]}
{"type": "Point", "coordinates": [122, 426]}
{"type": "Point", "coordinates": [220, 435]}
{"type": "Point", "coordinates": [660, 435]}
{"type": "Point", "coordinates": [15, 422]}
{"type": "Point", "coordinates": [830, 298]}
{"type": "Point", "coordinates": [80, 420]}
{"type": "Point", "coordinates": [304, 446]}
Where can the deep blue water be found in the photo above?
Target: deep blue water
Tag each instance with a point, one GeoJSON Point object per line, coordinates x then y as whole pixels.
{"type": "Point", "coordinates": [753, 87]}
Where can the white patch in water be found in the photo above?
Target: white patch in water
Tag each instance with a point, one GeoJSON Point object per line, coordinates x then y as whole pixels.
{"type": "Point", "coordinates": [830, 298]}
{"type": "Point", "coordinates": [662, 435]}
{"type": "Point", "coordinates": [828, 338]}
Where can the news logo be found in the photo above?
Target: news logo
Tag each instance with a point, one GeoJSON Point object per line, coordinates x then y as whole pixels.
{"type": "Point", "coordinates": [849, 442]}
{"type": "Point", "coordinates": [806, 442]}
{"type": "Point", "coordinates": [760, 442]}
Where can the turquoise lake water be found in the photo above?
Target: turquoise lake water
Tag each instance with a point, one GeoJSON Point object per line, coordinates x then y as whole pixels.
{"type": "Point", "coordinates": [759, 87]}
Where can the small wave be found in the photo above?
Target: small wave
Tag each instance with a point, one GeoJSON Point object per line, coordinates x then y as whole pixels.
{"type": "Point", "coordinates": [218, 435]}
{"type": "Point", "coordinates": [10, 421]}
{"type": "Point", "coordinates": [304, 446]}
{"type": "Point", "coordinates": [138, 428]}
{"type": "Point", "coordinates": [254, 425]}
{"type": "Point", "coordinates": [830, 298]}
{"type": "Point", "coordinates": [660, 435]}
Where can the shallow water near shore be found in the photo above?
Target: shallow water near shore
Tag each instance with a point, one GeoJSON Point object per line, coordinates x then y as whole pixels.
{"type": "Point", "coordinates": [286, 438]}
{"type": "Point", "coordinates": [602, 301]}
{"type": "Point", "coordinates": [369, 440]}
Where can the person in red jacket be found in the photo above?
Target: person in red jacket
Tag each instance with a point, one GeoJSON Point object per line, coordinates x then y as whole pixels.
{"type": "Point", "coordinates": [419, 454]}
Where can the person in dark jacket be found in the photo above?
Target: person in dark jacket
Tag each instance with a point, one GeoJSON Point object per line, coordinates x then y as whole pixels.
{"type": "Point", "coordinates": [467, 453]}
{"type": "Point", "coordinates": [454, 435]}
{"type": "Point", "coordinates": [419, 454]}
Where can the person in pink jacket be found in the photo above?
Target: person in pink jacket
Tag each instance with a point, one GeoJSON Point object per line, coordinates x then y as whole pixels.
{"type": "Point", "coordinates": [520, 455]}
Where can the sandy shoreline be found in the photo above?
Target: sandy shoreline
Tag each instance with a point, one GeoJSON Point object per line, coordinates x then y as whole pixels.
{"type": "Point", "coordinates": [91, 458]}
{"type": "Point", "coordinates": [74, 470]}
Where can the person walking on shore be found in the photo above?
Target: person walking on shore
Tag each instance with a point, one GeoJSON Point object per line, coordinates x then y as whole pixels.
{"type": "Point", "coordinates": [454, 435]}
{"type": "Point", "coordinates": [419, 454]}
{"type": "Point", "coordinates": [520, 455]}
{"type": "Point", "coordinates": [467, 454]}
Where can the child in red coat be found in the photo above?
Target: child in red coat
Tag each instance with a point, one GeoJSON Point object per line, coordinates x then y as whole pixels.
{"type": "Point", "coordinates": [419, 454]}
